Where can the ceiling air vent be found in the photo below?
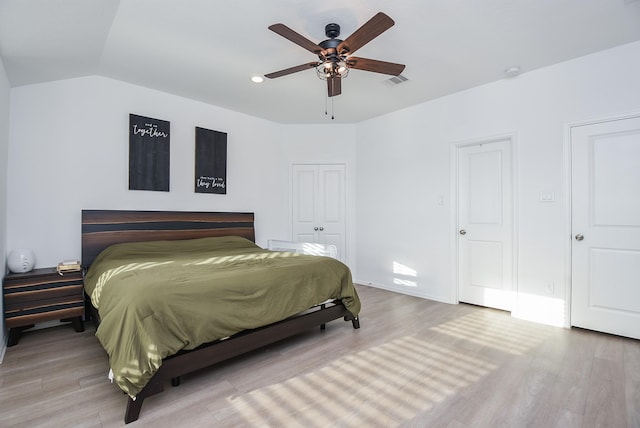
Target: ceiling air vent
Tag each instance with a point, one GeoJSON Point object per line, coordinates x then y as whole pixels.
{"type": "Point", "coordinates": [396, 80]}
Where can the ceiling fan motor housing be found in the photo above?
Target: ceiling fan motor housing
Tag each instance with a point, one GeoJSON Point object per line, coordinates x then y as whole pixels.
{"type": "Point", "coordinates": [332, 30]}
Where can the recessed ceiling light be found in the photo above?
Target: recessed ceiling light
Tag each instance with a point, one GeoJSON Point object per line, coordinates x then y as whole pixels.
{"type": "Point", "coordinates": [257, 79]}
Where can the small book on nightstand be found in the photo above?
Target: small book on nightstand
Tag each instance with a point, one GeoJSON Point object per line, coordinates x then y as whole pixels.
{"type": "Point", "coordinates": [68, 266]}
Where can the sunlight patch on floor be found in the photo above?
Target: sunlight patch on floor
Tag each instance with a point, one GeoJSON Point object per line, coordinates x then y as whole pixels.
{"type": "Point", "coordinates": [387, 384]}
{"type": "Point", "coordinates": [494, 329]}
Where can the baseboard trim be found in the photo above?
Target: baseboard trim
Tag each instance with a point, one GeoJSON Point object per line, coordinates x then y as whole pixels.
{"type": "Point", "coordinates": [405, 291]}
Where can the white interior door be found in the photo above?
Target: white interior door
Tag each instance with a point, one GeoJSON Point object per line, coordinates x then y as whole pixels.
{"type": "Point", "coordinates": [485, 225]}
{"type": "Point", "coordinates": [605, 222]}
{"type": "Point", "coordinates": [319, 205]}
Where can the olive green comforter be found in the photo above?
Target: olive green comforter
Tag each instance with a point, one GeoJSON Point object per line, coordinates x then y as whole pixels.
{"type": "Point", "coordinates": [156, 298]}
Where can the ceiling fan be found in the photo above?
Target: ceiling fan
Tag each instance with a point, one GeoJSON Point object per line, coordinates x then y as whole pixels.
{"type": "Point", "coordinates": [334, 55]}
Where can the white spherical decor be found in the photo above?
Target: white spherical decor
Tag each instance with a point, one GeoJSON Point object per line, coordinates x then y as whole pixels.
{"type": "Point", "coordinates": [21, 260]}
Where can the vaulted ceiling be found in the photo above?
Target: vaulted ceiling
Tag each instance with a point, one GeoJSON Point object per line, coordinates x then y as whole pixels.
{"type": "Point", "coordinates": [209, 50]}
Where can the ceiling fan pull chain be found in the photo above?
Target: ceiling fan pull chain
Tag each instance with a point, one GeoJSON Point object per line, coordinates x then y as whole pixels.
{"type": "Point", "coordinates": [332, 108]}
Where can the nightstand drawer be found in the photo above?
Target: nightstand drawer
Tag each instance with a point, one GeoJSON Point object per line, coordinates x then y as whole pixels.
{"type": "Point", "coordinates": [50, 279]}
{"type": "Point", "coordinates": [17, 297]}
{"type": "Point", "coordinates": [37, 315]}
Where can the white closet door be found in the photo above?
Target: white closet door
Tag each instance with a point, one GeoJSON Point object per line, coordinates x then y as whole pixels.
{"type": "Point", "coordinates": [319, 205]}
{"type": "Point", "coordinates": [304, 194]}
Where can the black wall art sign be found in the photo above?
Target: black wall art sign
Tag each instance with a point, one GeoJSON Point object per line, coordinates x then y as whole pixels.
{"type": "Point", "coordinates": [211, 161]}
{"type": "Point", "coordinates": [148, 153]}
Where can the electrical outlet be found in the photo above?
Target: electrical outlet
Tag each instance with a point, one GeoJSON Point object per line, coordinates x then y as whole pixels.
{"type": "Point", "coordinates": [547, 197]}
{"type": "Point", "coordinates": [550, 287]}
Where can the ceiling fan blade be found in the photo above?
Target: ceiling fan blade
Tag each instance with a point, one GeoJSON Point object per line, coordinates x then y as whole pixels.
{"type": "Point", "coordinates": [291, 70]}
{"type": "Point", "coordinates": [375, 65]}
{"type": "Point", "coordinates": [334, 86]}
{"type": "Point", "coordinates": [296, 38]}
{"type": "Point", "coordinates": [367, 32]}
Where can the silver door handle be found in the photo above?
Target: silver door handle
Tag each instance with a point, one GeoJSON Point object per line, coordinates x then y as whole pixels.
{"type": "Point", "coordinates": [463, 232]}
{"type": "Point", "coordinates": [315, 228]}
{"type": "Point", "coordinates": [579, 237]}
{"type": "Point", "coordinates": [321, 228]}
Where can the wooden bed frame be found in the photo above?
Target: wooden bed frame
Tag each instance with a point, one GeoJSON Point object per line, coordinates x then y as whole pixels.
{"type": "Point", "coordinates": [101, 228]}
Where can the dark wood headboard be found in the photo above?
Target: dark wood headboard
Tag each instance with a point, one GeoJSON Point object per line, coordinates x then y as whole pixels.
{"type": "Point", "coordinates": [101, 228]}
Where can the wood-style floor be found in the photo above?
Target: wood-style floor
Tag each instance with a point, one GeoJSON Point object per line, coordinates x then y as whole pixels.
{"type": "Point", "coordinates": [414, 363]}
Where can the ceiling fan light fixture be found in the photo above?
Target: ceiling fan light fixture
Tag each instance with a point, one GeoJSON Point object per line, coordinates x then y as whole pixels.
{"type": "Point", "coordinates": [329, 68]}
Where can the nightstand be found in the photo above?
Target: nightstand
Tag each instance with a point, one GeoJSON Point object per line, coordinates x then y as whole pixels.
{"type": "Point", "coordinates": [42, 295]}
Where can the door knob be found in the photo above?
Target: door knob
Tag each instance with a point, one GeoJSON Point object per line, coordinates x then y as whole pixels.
{"type": "Point", "coordinates": [463, 232]}
{"type": "Point", "coordinates": [321, 228]}
{"type": "Point", "coordinates": [579, 237]}
{"type": "Point", "coordinates": [315, 228]}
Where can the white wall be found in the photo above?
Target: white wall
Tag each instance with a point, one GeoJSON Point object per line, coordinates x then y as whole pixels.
{"type": "Point", "coordinates": [69, 150]}
{"type": "Point", "coordinates": [4, 144]}
{"type": "Point", "coordinates": [403, 165]}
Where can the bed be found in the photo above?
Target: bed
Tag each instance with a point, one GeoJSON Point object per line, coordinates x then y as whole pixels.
{"type": "Point", "coordinates": [190, 260]}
